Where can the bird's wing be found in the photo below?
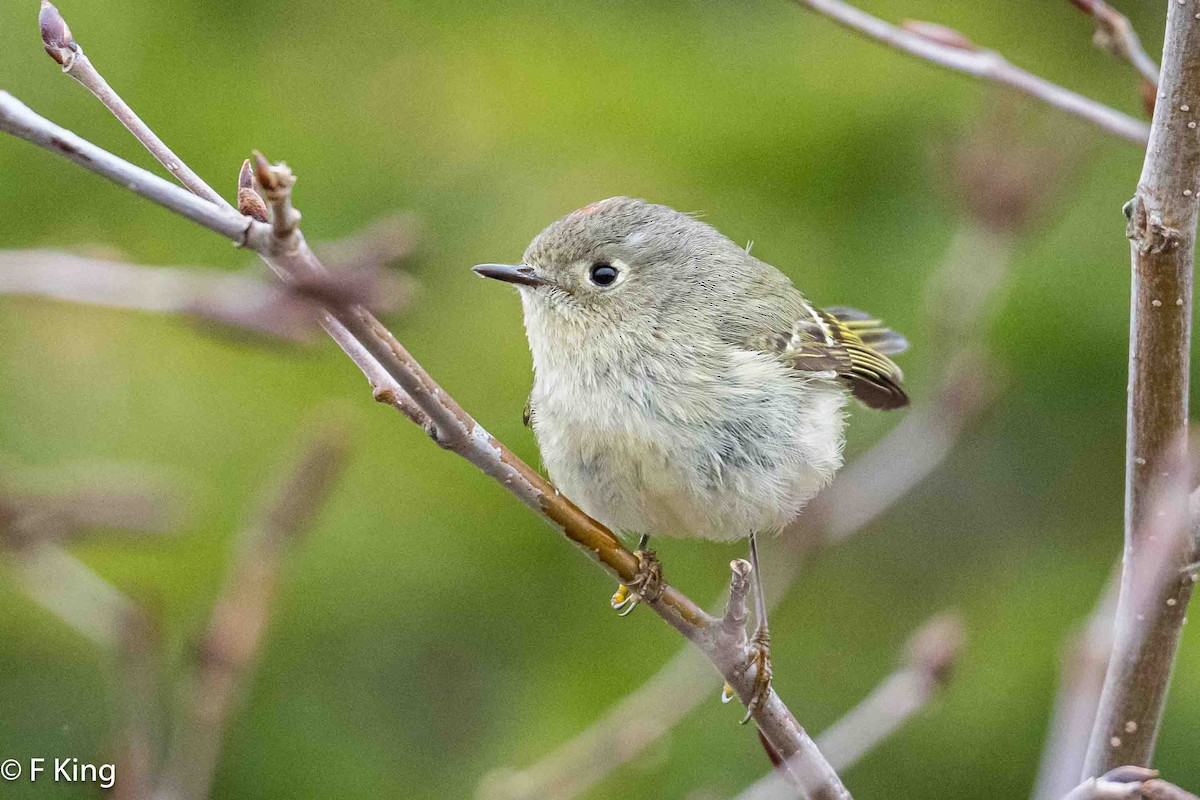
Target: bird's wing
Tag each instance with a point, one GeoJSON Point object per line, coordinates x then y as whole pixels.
{"type": "Point", "coordinates": [851, 345]}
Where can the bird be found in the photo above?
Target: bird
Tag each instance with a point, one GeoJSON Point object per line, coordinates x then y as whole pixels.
{"type": "Point", "coordinates": [683, 387]}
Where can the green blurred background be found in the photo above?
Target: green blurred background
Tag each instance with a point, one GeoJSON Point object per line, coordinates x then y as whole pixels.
{"type": "Point", "coordinates": [430, 628]}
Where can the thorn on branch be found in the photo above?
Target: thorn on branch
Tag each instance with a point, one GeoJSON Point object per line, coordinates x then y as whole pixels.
{"type": "Point", "coordinates": [56, 36]}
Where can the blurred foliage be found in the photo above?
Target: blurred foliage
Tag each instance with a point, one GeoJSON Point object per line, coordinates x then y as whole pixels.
{"type": "Point", "coordinates": [430, 628]}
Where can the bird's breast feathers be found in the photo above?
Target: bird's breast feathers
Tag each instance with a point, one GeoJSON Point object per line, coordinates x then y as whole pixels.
{"type": "Point", "coordinates": [688, 443]}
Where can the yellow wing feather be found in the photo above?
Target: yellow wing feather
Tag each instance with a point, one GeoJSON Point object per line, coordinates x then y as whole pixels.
{"type": "Point", "coordinates": [850, 344]}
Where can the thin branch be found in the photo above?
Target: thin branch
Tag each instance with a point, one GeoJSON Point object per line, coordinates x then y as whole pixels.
{"type": "Point", "coordinates": [62, 47]}
{"type": "Point", "coordinates": [214, 296]}
{"type": "Point", "coordinates": [735, 607]}
{"type": "Point", "coordinates": [238, 301]}
{"type": "Point", "coordinates": [97, 610]}
{"type": "Point", "coordinates": [454, 429]}
{"type": "Point", "coordinates": [137, 731]}
{"type": "Point", "coordinates": [929, 661]}
{"type": "Point", "coordinates": [1128, 783]}
{"type": "Point", "coordinates": [386, 241]}
{"type": "Point", "coordinates": [954, 51]}
{"type": "Point", "coordinates": [240, 616]}
{"type": "Point", "coordinates": [74, 513]}
{"type": "Point", "coordinates": [66, 587]}
{"type": "Point", "coordinates": [31, 527]}
{"type": "Point", "coordinates": [297, 264]}
{"type": "Point", "coordinates": [1081, 680]}
{"type": "Point", "coordinates": [1115, 35]}
{"type": "Point", "coordinates": [1162, 227]}
{"type": "Point", "coordinates": [930, 656]}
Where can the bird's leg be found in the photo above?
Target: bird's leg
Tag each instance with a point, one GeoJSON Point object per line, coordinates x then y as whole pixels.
{"type": "Point", "coordinates": [646, 585]}
{"type": "Point", "coordinates": [760, 642]}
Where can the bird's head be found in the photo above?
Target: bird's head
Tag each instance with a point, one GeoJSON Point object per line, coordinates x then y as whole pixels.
{"type": "Point", "coordinates": [617, 260]}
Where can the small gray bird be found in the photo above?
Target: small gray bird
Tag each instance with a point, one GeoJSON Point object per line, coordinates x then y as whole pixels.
{"type": "Point", "coordinates": [682, 387]}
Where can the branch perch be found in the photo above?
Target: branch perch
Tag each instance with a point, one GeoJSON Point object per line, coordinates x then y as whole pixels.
{"type": "Point", "coordinates": [954, 51]}
{"type": "Point", "coordinates": [930, 655]}
{"type": "Point", "coordinates": [1155, 590]}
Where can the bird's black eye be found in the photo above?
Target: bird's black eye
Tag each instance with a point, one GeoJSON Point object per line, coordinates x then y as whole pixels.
{"type": "Point", "coordinates": [603, 274]}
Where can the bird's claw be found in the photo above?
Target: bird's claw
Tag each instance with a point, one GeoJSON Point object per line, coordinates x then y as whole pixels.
{"type": "Point", "coordinates": [646, 585]}
{"type": "Point", "coordinates": [760, 658]}
{"type": "Point", "coordinates": [624, 600]}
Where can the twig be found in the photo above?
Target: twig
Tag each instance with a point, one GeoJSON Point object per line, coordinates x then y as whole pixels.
{"type": "Point", "coordinates": [954, 51]}
{"type": "Point", "coordinates": [138, 734]}
{"type": "Point", "coordinates": [72, 591]}
{"type": "Point", "coordinates": [291, 260]}
{"type": "Point", "coordinates": [1116, 36]}
{"type": "Point", "coordinates": [1162, 227]}
{"type": "Point", "coordinates": [94, 608]}
{"type": "Point", "coordinates": [1128, 783]}
{"type": "Point", "coordinates": [210, 295]}
{"type": "Point", "coordinates": [735, 607]}
{"type": "Point", "coordinates": [62, 47]}
{"type": "Point", "coordinates": [930, 657]}
{"type": "Point", "coordinates": [240, 615]}
{"type": "Point", "coordinates": [398, 374]}
{"type": "Point", "coordinates": [1081, 680]}
{"type": "Point", "coordinates": [381, 243]}
{"type": "Point", "coordinates": [45, 515]}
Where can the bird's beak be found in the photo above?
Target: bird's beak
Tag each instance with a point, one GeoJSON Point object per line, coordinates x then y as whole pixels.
{"type": "Point", "coordinates": [509, 273]}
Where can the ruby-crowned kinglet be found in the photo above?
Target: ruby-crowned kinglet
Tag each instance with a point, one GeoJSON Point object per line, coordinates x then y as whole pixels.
{"type": "Point", "coordinates": [681, 386]}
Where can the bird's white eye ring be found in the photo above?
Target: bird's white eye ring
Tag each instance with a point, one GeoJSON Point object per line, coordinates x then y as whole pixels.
{"type": "Point", "coordinates": [603, 274]}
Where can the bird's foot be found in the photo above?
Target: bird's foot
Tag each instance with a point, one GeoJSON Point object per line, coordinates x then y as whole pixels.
{"type": "Point", "coordinates": [646, 585]}
{"type": "Point", "coordinates": [759, 658]}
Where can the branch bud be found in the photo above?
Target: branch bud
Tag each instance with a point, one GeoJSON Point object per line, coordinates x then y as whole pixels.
{"type": "Point", "coordinates": [262, 172]}
{"type": "Point", "coordinates": [276, 180]}
{"type": "Point", "coordinates": [249, 202]}
{"type": "Point", "coordinates": [56, 36]}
